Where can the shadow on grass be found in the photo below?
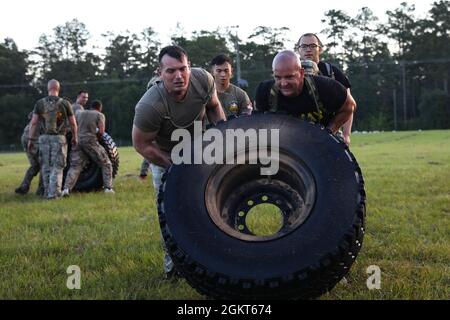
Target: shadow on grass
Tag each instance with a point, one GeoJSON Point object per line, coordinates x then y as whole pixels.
{"type": "Point", "coordinates": [12, 197]}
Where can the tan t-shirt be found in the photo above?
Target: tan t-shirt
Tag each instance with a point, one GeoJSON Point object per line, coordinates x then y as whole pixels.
{"type": "Point", "coordinates": [234, 101]}
{"type": "Point", "coordinates": [88, 121]}
{"type": "Point", "coordinates": [152, 114]}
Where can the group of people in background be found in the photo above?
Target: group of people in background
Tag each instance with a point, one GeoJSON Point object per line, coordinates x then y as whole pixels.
{"type": "Point", "coordinates": [54, 124]}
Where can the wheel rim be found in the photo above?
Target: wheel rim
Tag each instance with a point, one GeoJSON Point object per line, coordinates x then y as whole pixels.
{"type": "Point", "coordinates": [292, 190]}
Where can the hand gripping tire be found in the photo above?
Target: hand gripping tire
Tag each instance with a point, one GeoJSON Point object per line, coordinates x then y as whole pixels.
{"type": "Point", "coordinates": [319, 189]}
{"type": "Point", "coordinates": [91, 178]}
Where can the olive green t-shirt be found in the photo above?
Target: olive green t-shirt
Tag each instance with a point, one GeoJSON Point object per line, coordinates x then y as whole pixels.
{"type": "Point", "coordinates": [235, 101]}
{"type": "Point", "coordinates": [55, 113]}
{"type": "Point", "coordinates": [152, 115]}
{"type": "Point", "coordinates": [88, 121]}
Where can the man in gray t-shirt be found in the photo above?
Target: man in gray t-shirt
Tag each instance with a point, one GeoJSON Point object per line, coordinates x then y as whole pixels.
{"type": "Point", "coordinates": [80, 104]}
{"type": "Point", "coordinates": [234, 100]}
{"type": "Point", "coordinates": [183, 95]}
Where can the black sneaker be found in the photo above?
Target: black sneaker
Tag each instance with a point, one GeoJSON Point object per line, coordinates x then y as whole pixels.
{"type": "Point", "coordinates": [21, 190]}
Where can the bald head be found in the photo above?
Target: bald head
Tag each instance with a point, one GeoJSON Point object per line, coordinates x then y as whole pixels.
{"type": "Point", "coordinates": [286, 58]}
{"type": "Point", "coordinates": [288, 73]}
{"type": "Point", "coordinates": [53, 87]}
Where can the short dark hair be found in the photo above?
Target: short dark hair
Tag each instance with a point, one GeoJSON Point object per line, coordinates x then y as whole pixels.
{"type": "Point", "coordinates": [96, 104]}
{"type": "Point", "coordinates": [309, 35]}
{"type": "Point", "coordinates": [219, 60]}
{"type": "Point", "coordinates": [82, 91]}
{"type": "Point", "coordinates": [175, 52]}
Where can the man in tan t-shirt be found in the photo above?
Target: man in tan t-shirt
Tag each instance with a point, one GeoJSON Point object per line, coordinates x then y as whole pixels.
{"type": "Point", "coordinates": [183, 95]}
{"type": "Point", "coordinates": [234, 100]}
{"type": "Point", "coordinates": [91, 125]}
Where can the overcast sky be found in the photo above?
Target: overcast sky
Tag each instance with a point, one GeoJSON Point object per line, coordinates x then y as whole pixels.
{"type": "Point", "coordinates": [26, 20]}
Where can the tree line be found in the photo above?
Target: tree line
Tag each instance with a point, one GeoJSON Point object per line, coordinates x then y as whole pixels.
{"type": "Point", "coordinates": [399, 68]}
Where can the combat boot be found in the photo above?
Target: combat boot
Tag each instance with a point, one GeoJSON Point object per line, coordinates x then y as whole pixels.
{"type": "Point", "coordinates": [22, 190]}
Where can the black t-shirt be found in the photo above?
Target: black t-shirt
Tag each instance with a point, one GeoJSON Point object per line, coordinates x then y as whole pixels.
{"type": "Point", "coordinates": [331, 93]}
{"type": "Point", "coordinates": [339, 76]}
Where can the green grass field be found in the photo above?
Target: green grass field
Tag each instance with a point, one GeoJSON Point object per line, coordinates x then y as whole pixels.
{"type": "Point", "coordinates": [115, 239]}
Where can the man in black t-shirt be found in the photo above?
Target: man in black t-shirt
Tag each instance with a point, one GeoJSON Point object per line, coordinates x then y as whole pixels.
{"type": "Point", "coordinates": [310, 47]}
{"type": "Point", "coordinates": [318, 99]}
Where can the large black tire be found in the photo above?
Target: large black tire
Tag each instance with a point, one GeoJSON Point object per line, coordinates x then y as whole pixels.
{"type": "Point", "coordinates": [91, 178]}
{"type": "Point", "coordinates": [320, 190]}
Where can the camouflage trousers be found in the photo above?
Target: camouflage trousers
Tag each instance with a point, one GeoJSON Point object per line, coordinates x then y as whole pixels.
{"type": "Point", "coordinates": [78, 159]}
{"type": "Point", "coordinates": [52, 156]}
{"type": "Point", "coordinates": [33, 170]}
{"type": "Point", "coordinates": [88, 149]}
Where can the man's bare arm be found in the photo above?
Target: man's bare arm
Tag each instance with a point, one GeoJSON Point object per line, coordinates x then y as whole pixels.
{"type": "Point", "coordinates": [343, 115]}
{"type": "Point", "coordinates": [347, 127]}
{"type": "Point", "coordinates": [73, 126]}
{"type": "Point", "coordinates": [214, 110]}
{"type": "Point", "coordinates": [143, 143]}
{"type": "Point", "coordinates": [100, 128]}
{"type": "Point", "coordinates": [33, 125]}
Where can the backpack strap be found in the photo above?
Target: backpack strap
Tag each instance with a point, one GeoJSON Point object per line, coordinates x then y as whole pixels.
{"type": "Point", "coordinates": [273, 98]}
{"type": "Point", "coordinates": [330, 71]}
{"type": "Point", "coordinates": [155, 80]}
{"type": "Point", "coordinates": [166, 115]}
{"type": "Point", "coordinates": [55, 106]}
{"type": "Point", "coordinates": [206, 97]}
{"type": "Point", "coordinates": [311, 87]}
{"type": "Point", "coordinates": [320, 112]}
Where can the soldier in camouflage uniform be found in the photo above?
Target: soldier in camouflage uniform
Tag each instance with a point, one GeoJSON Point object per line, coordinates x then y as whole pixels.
{"type": "Point", "coordinates": [55, 113]}
{"type": "Point", "coordinates": [33, 159]}
{"type": "Point", "coordinates": [91, 125]}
